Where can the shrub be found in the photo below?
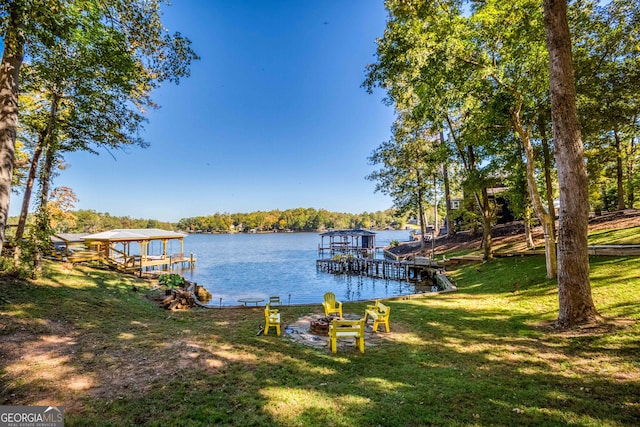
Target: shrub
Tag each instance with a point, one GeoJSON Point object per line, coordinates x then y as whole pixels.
{"type": "Point", "coordinates": [171, 280]}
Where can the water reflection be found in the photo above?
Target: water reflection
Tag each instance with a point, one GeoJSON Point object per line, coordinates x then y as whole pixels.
{"type": "Point", "coordinates": [236, 266]}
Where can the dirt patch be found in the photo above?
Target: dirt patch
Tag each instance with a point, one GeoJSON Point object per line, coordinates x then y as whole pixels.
{"type": "Point", "coordinates": [615, 220]}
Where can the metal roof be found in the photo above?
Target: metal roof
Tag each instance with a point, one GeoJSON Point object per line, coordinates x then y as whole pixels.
{"type": "Point", "coordinates": [352, 232]}
{"type": "Point", "coordinates": [69, 237]}
{"type": "Point", "coordinates": [125, 234]}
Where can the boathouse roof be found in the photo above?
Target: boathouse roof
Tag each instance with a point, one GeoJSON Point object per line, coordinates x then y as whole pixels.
{"type": "Point", "coordinates": [134, 234]}
{"type": "Point", "coordinates": [69, 237]}
{"type": "Point", "coordinates": [351, 232]}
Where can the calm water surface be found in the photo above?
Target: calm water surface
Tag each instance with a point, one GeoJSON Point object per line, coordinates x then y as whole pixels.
{"type": "Point", "coordinates": [233, 266]}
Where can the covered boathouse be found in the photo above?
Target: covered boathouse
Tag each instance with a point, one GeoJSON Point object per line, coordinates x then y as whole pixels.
{"type": "Point", "coordinates": [359, 243]}
{"type": "Point", "coordinates": [132, 250]}
{"type": "Point", "coordinates": [353, 252]}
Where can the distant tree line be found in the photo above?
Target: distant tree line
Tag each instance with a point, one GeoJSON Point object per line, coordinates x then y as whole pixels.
{"type": "Point", "coordinates": [299, 219]}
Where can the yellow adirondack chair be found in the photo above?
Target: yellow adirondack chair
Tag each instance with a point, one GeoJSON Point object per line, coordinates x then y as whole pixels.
{"type": "Point", "coordinates": [380, 315]}
{"type": "Point", "coordinates": [271, 318]}
{"type": "Point", "coordinates": [340, 329]}
{"type": "Point", "coordinates": [331, 305]}
{"type": "Point", "coordinates": [274, 301]}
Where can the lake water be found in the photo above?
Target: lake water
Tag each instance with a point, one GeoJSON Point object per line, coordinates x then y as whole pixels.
{"type": "Point", "coordinates": [233, 266]}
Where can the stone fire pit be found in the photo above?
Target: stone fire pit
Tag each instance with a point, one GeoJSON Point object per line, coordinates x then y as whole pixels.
{"type": "Point", "coordinates": [313, 330]}
{"type": "Point", "coordinates": [321, 325]}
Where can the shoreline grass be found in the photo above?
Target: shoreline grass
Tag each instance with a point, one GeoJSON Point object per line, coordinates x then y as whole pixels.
{"type": "Point", "coordinates": [484, 355]}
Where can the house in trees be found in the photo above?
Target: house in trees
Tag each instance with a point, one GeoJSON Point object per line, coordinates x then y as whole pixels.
{"type": "Point", "coordinates": [498, 197]}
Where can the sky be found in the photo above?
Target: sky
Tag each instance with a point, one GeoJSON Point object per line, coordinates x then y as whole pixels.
{"type": "Point", "coordinates": [273, 116]}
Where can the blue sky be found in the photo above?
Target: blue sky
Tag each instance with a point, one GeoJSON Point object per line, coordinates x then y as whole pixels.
{"type": "Point", "coordinates": [272, 117]}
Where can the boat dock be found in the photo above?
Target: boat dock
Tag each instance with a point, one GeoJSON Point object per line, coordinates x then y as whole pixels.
{"type": "Point", "coordinates": [128, 250]}
{"type": "Point", "coordinates": [418, 270]}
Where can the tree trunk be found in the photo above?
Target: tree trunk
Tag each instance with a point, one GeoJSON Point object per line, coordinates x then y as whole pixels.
{"type": "Point", "coordinates": [42, 217]}
{"type": "Point", "coordinates": [447, 193]}
{"type": "Point", "coordinates": [528, 233]}
{"type": "Point", "coordinates": [421, 212]}
{"type": "Point", "coordinates": [574, 290]}
{"type": "Point", "coordinates": [630, 173]}
{"type": "Point", "coordinates": [26, 199]}
{"type": "Point", "coordinates": [423, 228]}
{"type": "Point", "coordinates": [619, 171]}
{"type": "Point", "coordinates": [486, 225]}
{"type": "Point", "coordinates": [482, 200]}
{"type": "Point", "coordinates": [447, 198]}
{"type": "Point", "coordinates": [546, 152]}
{"type": "Point", "coordinates": [436, 223]}
{"type": "Point", "coordinates": [9, 79]}
{"type": "Point", "coordinates": [51, 150]}
{"type": "Point", "coordinates": [546, 219]}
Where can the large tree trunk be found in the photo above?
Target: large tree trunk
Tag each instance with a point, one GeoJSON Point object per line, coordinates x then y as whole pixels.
{"type": "Point", "coordinates": [574, 290]}
{"type": "Point", "coordinates": [9, 74]}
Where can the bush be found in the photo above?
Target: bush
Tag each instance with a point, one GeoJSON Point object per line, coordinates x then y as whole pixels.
{"type": "Point", "coordinates": [172, 280]}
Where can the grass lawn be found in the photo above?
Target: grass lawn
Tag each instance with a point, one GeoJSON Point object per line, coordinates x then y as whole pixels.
{"type": "Point", "coordinates": [624, 236]}
{"type": "Point", "coordinates": [484, 355]}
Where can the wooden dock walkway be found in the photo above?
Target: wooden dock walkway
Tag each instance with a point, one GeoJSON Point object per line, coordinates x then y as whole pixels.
{"type": "Point", "coordinates": [383, 269]}
{"type": "Point", "coordinates": [379, 268]}
{"type": "Point", "coordinates": [129, 263]}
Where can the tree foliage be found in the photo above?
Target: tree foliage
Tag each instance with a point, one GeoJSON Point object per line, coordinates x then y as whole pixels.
{"type": "Point", "coordinates": [67, 220]}
{"type": "Point", "coordinates": [92, 65]}
{"type": "Point", "coordinates": [479, 70]}
{"type": "Point", "coordinates": [298, 219]}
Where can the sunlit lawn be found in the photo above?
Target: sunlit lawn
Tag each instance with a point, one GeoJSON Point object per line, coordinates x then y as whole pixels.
{"type": "Point", "coordinates": [624, 236]}
{"type": "Point", "coordinates": [479, 356]}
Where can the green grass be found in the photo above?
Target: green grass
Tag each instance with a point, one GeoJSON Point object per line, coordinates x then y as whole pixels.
{"type": "Point", "coordinates": [624, 236]}
{"type": "Point", "coordinates": [479, 356]}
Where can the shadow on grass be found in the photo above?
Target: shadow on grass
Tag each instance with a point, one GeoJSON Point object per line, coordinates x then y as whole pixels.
{"type": "Point", "coordinates": [472, 357]}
